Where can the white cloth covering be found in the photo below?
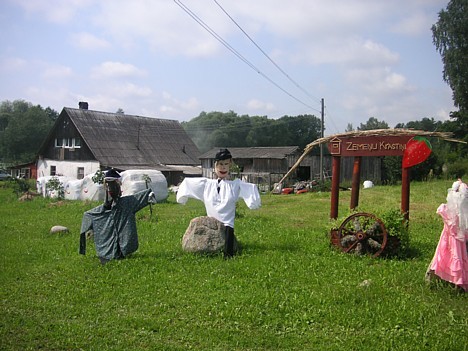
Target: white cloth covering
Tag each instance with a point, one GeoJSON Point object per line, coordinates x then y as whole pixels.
{"type": "Point", "coordinates": [457, 204]}
{"type": "Point", "coordinates": [220, 205]}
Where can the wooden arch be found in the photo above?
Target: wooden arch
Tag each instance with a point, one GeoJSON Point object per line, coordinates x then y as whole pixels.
{"type": "Point", "coordinates": [379, 142]}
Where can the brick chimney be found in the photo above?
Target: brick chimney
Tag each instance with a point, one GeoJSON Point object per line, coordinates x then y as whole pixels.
{"type": "Point", "coordinates": [83, 105]}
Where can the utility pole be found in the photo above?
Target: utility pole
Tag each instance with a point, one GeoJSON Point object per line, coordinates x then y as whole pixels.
{"type": "Point", "coordinates": [321, 145]}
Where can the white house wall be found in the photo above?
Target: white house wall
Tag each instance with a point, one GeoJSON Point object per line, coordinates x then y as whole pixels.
{"type": "Point", "coordinates": [65, 168]}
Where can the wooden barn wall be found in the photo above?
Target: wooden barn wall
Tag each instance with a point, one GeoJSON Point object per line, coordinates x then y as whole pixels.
{"type": "Point", "coordinates": [275, 169]}
{"type": "Point", "coordinates": [370, 167]}
{"type": "Point", "coordinates": [268, 165]}
{"type": "Point", "coordinates": [66, 129]}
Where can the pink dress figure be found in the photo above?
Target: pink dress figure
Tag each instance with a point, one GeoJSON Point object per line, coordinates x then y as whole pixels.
{"type": "Point", "coordinates": [450, 260]}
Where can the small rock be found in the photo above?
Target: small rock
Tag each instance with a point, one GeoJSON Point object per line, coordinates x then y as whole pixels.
{"type": "Point", "coordinates": [365, 283]}
{"type": "Point", "coordinates": [58, 229]}
{"type": "Point", "coordinates": [25, 197]}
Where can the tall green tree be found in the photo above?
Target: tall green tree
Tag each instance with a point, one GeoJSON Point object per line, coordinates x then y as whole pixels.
{"type": "Point", "coordinates": [426, 124]}
{"type": "Point", "coordinates": [450, 37]}
{"type": "Point", "coordinates": [23, 127]}
{"type": "Point", "coordinates": [373, 123]}
{"type": "Point", "coordinates": [349, 127]}
{"type": "Point", "coordinates": [300, 130]}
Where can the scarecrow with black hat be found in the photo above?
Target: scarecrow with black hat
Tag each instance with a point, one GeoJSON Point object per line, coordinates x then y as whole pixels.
{"type": "Point", "coordinates": [220, 196]}
{"type": "Point", "coordinates": [113, 223]}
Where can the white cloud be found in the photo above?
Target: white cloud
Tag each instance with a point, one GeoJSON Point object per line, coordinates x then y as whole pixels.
{"type": "Point", "coordinates": [380, 93]}
{"type": "Point", "coordinates": [111, 69]}
{"type": "Point", "coordinates": [190, 104]}
{"type": "Point", "coordinates": [378, 81]}
{"type": "Point", "coordinates": [57, 72]}
{"type": "Point", "coordinates": [173, 107]}
{"type": "Point", "coordinates": [13, 64]}
{"type": "Point", "coordinates": [57, 11]}
{"type": "Point", "coordinates": [56, 97]}
{"type": "Point", "coordinates": [127, 90]}
{"type": "Point", "coordinates": [414, 24]}
{"type": "Point", "coordinates": [256, 105]}
{"type": "Point", "coordinates": [161, 25]}
{"type": "Point", "coordinates": [102, 102]}
{"type": "Point", "coordinates": [443, 114]}
{"type": "Point", "coordinates": [346, 50]}
{"type": "Point", "coordinates": [88, 41]}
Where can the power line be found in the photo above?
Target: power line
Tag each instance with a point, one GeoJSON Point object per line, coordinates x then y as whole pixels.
{"type": "Point", "coordinates": [266, 55]}
{"type": "Point", "coordinates": [331, 120]}
{"type": "Point", "coordinates": [235, 52]}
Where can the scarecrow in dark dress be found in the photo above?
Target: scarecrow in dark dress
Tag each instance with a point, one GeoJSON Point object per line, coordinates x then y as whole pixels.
{"type": "Point", "coordinates": [220, 196]}
{"type": "Point", "coordinates": [113, 223]}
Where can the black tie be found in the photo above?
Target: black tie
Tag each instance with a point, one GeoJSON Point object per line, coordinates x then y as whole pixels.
{"type": "Point", "coordinates": [219, 181]}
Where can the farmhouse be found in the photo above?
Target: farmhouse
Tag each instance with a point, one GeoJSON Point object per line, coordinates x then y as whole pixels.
{"type": "Point", "coordinates": [83, 141]}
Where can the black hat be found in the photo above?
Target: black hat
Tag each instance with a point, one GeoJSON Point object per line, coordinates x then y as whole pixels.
{"type": "Point", "coordinates": [223, 154]}
{"type": "Point", "coordinates": [111, 175]}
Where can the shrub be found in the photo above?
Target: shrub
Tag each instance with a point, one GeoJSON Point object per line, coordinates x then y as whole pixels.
{"type": "Point", "coordinates": [98, 177]}
{"type": "Point", "coordinates": [20, 186]}
{"type": "Point", "coordinates": [457, 169]}
{"type": "Point", "coordinates": [55, 185]}
{"type": "Point", "coordinates": [397, 232]}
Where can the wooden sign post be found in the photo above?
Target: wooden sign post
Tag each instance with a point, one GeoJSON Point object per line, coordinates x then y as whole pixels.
{"type": "Point", "coordinates": [358, 146]}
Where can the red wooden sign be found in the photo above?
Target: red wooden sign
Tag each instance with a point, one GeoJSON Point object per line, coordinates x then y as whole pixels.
{"type": "Point", "coordinates": [375, 145]}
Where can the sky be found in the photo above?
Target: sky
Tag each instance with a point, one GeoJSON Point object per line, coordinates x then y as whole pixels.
{"type": "Point", "coordinates": [174, 59]}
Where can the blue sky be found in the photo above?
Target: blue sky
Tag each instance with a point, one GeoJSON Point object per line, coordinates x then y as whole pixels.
{"type": "Point", "coordinates": [365, 58]}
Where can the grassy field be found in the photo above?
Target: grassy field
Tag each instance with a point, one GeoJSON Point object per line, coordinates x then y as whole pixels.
{"type": "Point", "coordinates": [289, 290]}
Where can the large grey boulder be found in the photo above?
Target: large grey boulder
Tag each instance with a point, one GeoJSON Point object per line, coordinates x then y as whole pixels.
{"type": "Point", "coordinates": [205, 235]}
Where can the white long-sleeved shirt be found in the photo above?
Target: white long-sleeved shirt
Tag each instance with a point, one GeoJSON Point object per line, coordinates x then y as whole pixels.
{"type": "Point", "coordinates": [220, 205]}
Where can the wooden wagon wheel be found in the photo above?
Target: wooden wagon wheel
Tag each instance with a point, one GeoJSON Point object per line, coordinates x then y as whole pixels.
{"type": "Point", "coordinates": [363, 234]}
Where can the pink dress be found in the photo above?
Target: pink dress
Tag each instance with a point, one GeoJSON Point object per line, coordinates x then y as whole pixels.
{"type": "Point", "coordinates": [450, 260]}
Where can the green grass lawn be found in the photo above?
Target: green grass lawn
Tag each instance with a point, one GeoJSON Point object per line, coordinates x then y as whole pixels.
{"type": "Point", "coordinates": [289, 290]}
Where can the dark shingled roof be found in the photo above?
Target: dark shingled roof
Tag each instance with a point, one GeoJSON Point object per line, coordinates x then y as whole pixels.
{"type": "Point", "coordinates": [126, 141]}
{"type": "Point", "coordinates": [279, 152]}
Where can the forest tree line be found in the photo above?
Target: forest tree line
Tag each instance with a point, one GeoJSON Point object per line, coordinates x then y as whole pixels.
{"type": "Point", "coordinates": [23, 128]}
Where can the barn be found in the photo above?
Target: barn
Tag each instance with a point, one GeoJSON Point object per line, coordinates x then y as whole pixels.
{"type": "Point", "coordinates": [265, 166]}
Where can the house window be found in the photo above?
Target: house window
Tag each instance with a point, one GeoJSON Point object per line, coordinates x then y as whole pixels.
{"type": "Point", "coordinates": [80, 173]}
{"type": "Point", "coordinates": [25, 173]}
{"type": "Point", "coordinates": [53, 170]}
{"type": "Point", "coordinates": [68, 143]}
